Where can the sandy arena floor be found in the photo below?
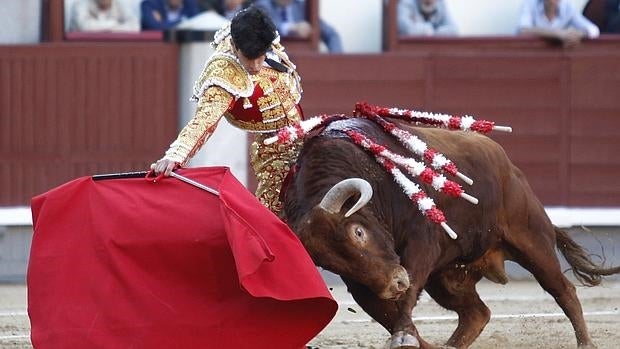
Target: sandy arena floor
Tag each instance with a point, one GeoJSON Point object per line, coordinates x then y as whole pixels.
{"type": "Point", "coordinates": [524, 316]}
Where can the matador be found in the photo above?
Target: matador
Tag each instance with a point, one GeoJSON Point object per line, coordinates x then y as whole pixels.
{"type": "Point", "coordinates": [259, 99]}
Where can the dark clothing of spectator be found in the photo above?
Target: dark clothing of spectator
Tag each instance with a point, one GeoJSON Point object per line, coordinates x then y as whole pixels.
{"type": "Point", "coordinates": [157, 15]}
{"type": "Point", "coordinates": [288, 19]}
{"type": "Point", "coordinates": [219, 6]}
{"type": "Point", "coordinates": [613, 17]}
{"type": "Point", "coordinates": [605, 14]}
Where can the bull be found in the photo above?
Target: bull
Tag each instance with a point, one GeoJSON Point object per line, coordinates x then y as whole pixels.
{"type": "Point", "coordinates": [356, 222]}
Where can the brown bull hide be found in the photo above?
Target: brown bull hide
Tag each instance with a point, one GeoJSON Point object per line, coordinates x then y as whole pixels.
{"type": "Point", "coordinates": [370, 248]}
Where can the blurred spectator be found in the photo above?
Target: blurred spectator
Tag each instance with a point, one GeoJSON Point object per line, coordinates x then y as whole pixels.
{"type": "Point", "coordinates": [605, 14]}
{"type": "Point", "coordinates": [166, 14]}
{"type": "Point", "coordinates": [556, 20]}
{"type": "Point", "coordinates": [613, 16]}
{"type": "Point", "coordinates": [225, 8]}
{"type": "Point", "coordinates": [290, 18]}
{"type": "Point", "coordinates": [102, 15]}
{"type": "Point", "coordinates": [424, 17]}
{"type": "Point", "coordinates": [596, 12]}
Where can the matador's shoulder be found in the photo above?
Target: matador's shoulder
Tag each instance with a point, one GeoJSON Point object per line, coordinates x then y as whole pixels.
{"type": "Point", "coordinates": [223, 69]}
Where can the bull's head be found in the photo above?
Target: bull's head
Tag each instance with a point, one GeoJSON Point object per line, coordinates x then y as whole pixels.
{"type": "Point", "coordinates": [355, 244]}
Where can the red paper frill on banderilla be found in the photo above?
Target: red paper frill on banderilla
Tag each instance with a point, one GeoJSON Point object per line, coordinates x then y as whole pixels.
{"type": "Point", "coordinates": [127, 263]}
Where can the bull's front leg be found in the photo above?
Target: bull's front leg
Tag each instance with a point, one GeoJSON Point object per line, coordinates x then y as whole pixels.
{"type": "Point", "coordinates": [419, 265]}
{"type": "Point", "coordinates": [394, 316]}
{"type": "Point", "coordinates": [404, 333]}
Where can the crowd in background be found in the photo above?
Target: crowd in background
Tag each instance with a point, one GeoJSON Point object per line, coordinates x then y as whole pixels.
{"type": "Point", "coordinates": [290, 16]}
{"type": "Point", "coordinates": [553, 19]}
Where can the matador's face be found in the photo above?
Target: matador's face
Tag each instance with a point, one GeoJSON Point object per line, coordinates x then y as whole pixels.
{"type": "Point", "coordinates": [251, 65]}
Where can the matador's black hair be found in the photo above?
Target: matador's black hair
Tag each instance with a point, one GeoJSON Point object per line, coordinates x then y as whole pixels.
{"type": "Point", "coordinates": [252, 32]}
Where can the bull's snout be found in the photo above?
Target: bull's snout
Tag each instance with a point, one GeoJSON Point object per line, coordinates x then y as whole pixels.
{"type": "Point", "coordinates": [400, 280]}
{"type": "Point", "coordinates": [398, 285]}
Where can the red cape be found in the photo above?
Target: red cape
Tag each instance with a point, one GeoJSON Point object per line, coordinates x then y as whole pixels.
{"type": "Point", "coordinates": [127, 263]}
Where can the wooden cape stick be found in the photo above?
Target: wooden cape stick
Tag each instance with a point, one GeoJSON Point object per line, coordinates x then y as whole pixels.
{"type": "Point", "coordinates": [142, 174]}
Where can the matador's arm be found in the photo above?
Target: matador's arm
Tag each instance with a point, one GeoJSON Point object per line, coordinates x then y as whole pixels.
{"type": "Point", "coordinates": [211, 107]}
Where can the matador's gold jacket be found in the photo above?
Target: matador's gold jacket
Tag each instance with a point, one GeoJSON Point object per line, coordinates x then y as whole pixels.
{"type": "Point", "coordinates": [257, 103]}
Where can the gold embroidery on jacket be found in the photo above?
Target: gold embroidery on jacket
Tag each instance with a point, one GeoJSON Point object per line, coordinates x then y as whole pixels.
{"type": "Point", "coordinates": [273, 114]}
{"type": "Point", "coordinates": [211, 107]}
{"type": "Point", "coordinates": [265, 85]}
{"type": "Point", "coordinates": [271, 164]}
{"type": "Point", "coordinates": [226, 72]}
{"type": "Point", "coordinates": [277, 109]}
{"type": "Point", "coordinates": [268, 102]}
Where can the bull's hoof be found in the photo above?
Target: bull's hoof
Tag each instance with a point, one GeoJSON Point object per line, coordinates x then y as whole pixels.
{"type": "Point", "coordinates": [403, 340]}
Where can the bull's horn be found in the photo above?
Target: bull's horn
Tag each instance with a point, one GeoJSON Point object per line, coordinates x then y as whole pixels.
{"type": "Point", "coordinates": [336, 197]}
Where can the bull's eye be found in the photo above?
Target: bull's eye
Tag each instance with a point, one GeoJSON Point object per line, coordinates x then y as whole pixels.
{"type": "Point", "coordinates": [359, 232]}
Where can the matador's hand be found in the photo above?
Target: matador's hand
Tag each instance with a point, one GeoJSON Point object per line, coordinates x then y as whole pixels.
{"type": "Point", "coordinates": [164, 166]}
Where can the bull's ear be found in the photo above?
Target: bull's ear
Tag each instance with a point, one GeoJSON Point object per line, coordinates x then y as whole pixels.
{"type": "Point", "coordinates": [335, 198]}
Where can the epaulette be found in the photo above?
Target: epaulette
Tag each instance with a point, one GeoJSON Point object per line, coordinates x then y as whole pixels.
{"type": "Point", "coordinates": [225, 71]}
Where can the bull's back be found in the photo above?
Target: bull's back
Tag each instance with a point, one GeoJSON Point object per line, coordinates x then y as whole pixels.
{"type": "Point", "coordinates": [468, 150]}
{"type": "Point", "coordinates": [507, 202]}
{"type": "Point", "coordinates": [475, 155]}
{"type": "Point", "coordinates": [497, 183]}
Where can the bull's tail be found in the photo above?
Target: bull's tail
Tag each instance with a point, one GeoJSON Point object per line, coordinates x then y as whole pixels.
{"type": "Point", "coordinates": [586, 271]}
